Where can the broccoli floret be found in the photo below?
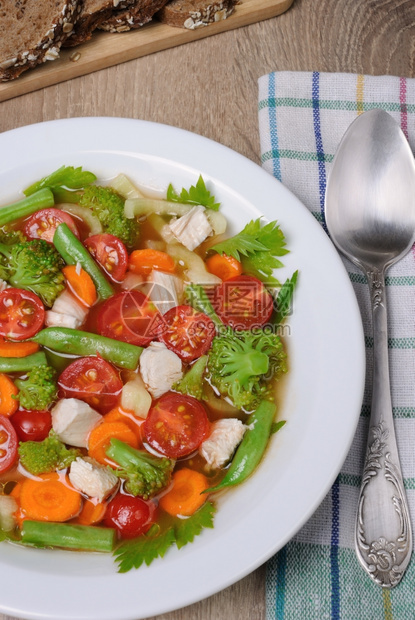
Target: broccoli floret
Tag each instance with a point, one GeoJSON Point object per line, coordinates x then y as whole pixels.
{"type": "Point", "coordinates": [192, 382]}
{"type": "Point", "coordinates": [145, 474]}
{"type": "Point", "coordinates": [42, 457]}
{"type": "Point", "coordinates": [34, 265]}
{"type": "Point", "coordinates": [108, 206]}
{"type": "Point", "coordinates": [39, 390]}
{"type": "Point", "coordinates": [241, 365]}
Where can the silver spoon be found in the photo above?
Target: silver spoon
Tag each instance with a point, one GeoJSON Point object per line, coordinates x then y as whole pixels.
{"type": "Point", "coordinates": [370, 215]}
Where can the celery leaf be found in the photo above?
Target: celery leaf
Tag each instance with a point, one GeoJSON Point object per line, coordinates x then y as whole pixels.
{"type": "Point", "coordinates": [133, 553]}
{"type": "Point", "coordinates": [65, 176]}
{"type": "Point", "coordinates": [187, 529]}
{"type": "Point", "coordinates": [197, 194]}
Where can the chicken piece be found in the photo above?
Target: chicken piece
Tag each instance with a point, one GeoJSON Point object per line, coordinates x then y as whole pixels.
{"type": "Point", "coordinates": [73, 420]}
{"type": "Point", "coordinates": [192, 228]}
{"type": "Point", "coordinates": [226, 435]}
{"type": "Point", "coordinates": [165, 290]}
{"type": "Point", "coordinates": [160, 368]}
{"type": "Point", "coordinates": [56, 319]}
{"type": "Point", "coordinates": [92, 479]}
{"type": "Point", "coordinates": [67, 311]}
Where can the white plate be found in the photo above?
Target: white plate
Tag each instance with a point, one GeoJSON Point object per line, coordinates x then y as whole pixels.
{"type": "Point", "coordinates": [323, 392]}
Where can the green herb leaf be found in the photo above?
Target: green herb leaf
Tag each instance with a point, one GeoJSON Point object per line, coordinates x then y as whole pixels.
{"type": "Point", "coordinates": [197, 194]}
{"type": "Point", "coordinates": [65, 176]}
{"type": "Point", "coordinates": [284, 298]}
{"type": "Point", "coordinates": [187, 529]}
{"type": "Point", "coordinates": [145, 549]}
{"type": "Point", "coordinates": [257, 247]}
{"type": "Point", "coordinates": [277, 426]}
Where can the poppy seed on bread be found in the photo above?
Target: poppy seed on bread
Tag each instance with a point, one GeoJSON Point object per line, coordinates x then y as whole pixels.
{"type": "Point", "coordinates": [34, 32]}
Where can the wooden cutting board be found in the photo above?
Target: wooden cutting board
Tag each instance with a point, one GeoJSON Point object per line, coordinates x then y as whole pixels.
{"type": "Point", "coordinates": [106, 49]}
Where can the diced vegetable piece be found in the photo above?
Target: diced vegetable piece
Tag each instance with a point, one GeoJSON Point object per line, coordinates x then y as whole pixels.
{"type": "Point", "coordinates": [187, 493]}
{"type": "Point", "coordinates": [8, 507]}
{"type": "Point", "coordinates": [195, 268]}
{"type": "Point", "coordinates": [144, 261]}
{"type": "Point", "coordinates": [49, 497]}
{"type": "Point", "coordinates": [100, 437]}
{"type": "Point", "coordinates": [125, 187]}
{"type": "Point", "coordinates": [81, 284]}
{"type": "Point", "coordinates": [17, 349]}
{"type": "Point", "coordinates": [135, 397]}
{"type": "Point", "coordinates": [84, 214]}
{"type": "Point", "coordinates": [224, 266]}
{"type": "Point", "coordinates": [68, 536]}
{"type": "Point", "coordinates": [8, 393]}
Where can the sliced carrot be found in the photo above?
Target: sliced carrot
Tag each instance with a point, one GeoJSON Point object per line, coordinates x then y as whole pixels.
{"type": "Point", "coordinates": [100, 436]}
{"type": "Point", "coordinates": [223, 266]}
{"type": "Point", "coordinates": [17, 349]}
{"type": "Point", "coordinates": [119, 415]}
{"type": "Point", "coordinates": [49, 498]}
{"type": "Point", "coordinates": [144, 261]}
{"type": "Point", "coordinates": [92, 512]}
{"type": "Point", "coordinates": [8, 404]}
{"type": "Point", "coordinates": [81, 284]}
{"type": "Point", "coordinates": [185, 496]}
{"type": "Point", "coordinates": [16, 491]}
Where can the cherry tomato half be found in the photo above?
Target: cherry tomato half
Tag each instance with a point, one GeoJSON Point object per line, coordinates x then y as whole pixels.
{"type": "Point", "coordinates": [243, 302]}
{"type": "Point", "coordinates": [22, 314]}
{"type": "Point", "coordinates": [31, 425]}
{"type": "Point", "coordinates": [187, 332]}
{"type": "Point", "coordinates": [92, 380]}
{"type": "Point", "coordinates": [129, 316]}
{"type": "Point", "coordinates": [8, 444]}
{"type": "Point", "coordinates": [42, 225]}
{"type": "Point", "coordinates": [176, 425]}
{"type": "Point", "coordinates": [130, 516]}
{"type": "Point", "coordinates": [110, 253]}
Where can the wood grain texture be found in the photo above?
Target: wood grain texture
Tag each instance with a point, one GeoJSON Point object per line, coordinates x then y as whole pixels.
{"type": "Point", "coordinates": [210, 87]}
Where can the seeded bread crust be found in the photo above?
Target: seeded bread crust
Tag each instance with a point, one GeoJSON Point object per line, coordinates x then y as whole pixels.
{"type": "Point", "coordinates": [132, 17]}
{"type": "Point", "coordinates": [35, 32]}
{"type": "Point", "coordinates": [92, 14]}
{"type": "Point", "coordinates": [192, 14]}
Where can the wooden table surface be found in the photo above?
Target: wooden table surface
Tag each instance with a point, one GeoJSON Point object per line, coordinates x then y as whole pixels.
{"type": "Point", "coordinates": [210, 87]}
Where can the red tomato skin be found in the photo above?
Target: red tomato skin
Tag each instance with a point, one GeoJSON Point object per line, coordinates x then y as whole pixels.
{"type": "Point", "coordinates": [12, 302]}
{"type": "Point", "coordinates": [186, 332]}
{"type": "Point", "coordinates": [129, 316]}
{"type": "Point", "coordinates": [130, 516]}
{"type": "Point", "coordinates": [111, 254]}
{"type": "Point", "coordinates": [53, 217]}
{"type": "Point", "coordinates": [31, 425]}
{"type": "Point", "coordinates": [176, 425]}
{"type": "Point", "coordinates": [243, 302]}
{"type": "Point", "coordinates": [8, 444]}
{"type": "Point", "coordinates": [92, 380]}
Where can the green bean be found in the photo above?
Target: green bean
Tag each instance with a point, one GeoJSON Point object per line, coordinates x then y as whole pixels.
{"type": "Point", "coordinates": [75, 342]}
{"type": "Point", "coordinates": [252, 447]}
{"type": "Point", "coordinates": [68, 536]}
{"type": "Point", "coordinates": [40, 200]}
{"type": "Point", "coordinates": [22, 364]}
{"type": "Point", "coordinates": [73, 252]}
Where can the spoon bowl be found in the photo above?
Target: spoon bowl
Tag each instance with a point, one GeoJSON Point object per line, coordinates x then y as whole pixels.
{"type": "Point", "coordinates": [370, 215]}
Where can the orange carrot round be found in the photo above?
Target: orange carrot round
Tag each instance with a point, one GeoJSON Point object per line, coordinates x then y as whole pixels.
{"type": "Point", "coordinates": [49, 498]}
{"type": "Point", "coordinates": [100, 437]}
{"type": "Point", "coordinates": [92, 512]}
{"type": "Point", "coordinates": [8, 404]}
{"type": "Point", "coordinates": [223, 266]}
{"type": "Point", "coordinates": [17, 349]}
{"type": "Point", "coordinates": [81, 284]}
{"type": "Point", "coordinates": [119, 415]}
{"type": "Point", "coordinates": [144, 261]}
{"type": "Point", "coordinates": [185, 496]}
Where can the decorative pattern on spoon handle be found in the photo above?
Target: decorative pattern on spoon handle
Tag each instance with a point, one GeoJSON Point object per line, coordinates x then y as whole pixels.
{"type": "Point", "coordinates": [385, 559]}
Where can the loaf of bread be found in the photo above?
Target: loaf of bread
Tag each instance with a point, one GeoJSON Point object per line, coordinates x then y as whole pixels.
{"type": "Point", "coordinates": [36, 30]}
{"type": "Point", "coordinates": [193, 14]}
{"type": "Point", "coordinates": [133, 16]}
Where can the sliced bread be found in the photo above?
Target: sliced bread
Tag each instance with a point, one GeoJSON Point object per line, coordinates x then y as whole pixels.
{"type": "Point", "coordinates": [93, 12]}
{"type": "Point", "coordinates": [132, 17]}
{"type": "Point", "coordinates": [35, 31]}
{"type": "Point", "coordinates": [192, 14]}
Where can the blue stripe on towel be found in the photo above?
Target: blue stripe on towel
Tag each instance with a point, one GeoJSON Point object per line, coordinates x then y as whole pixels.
{"type": "Point", "coordinates": [319, 142]}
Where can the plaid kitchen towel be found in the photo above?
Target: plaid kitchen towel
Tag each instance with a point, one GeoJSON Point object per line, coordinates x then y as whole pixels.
{"type": "Point", "coordinates": [302, 118]}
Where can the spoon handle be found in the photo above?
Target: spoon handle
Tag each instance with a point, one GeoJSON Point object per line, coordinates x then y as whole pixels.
{"type": "Point", "coordinates": [383, 528]}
